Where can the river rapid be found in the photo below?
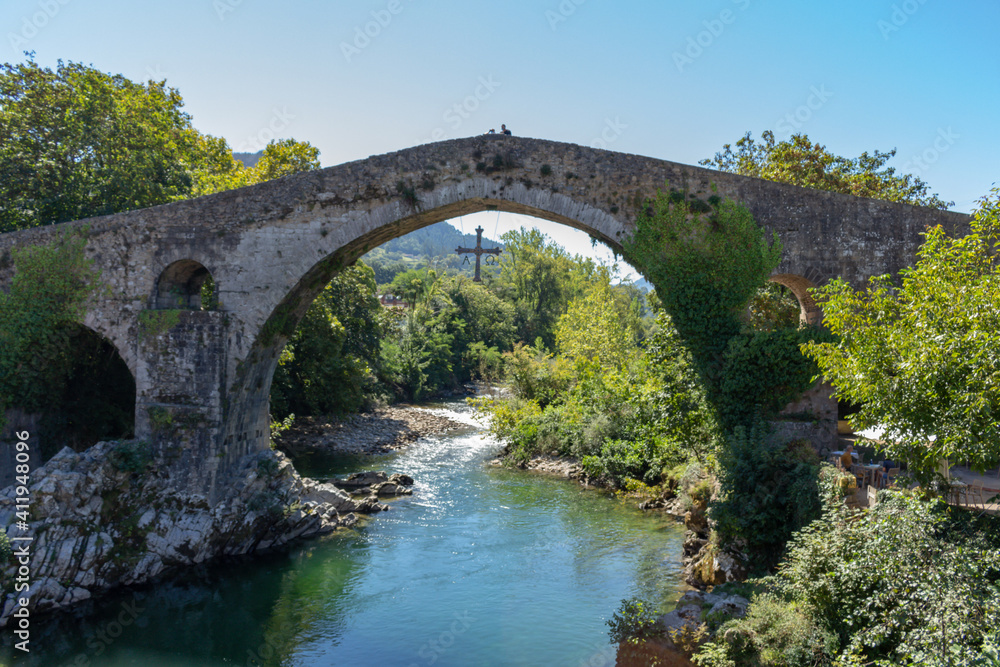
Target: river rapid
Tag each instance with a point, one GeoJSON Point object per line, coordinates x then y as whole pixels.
{"type": "Point", "coordinates": [480, 566]}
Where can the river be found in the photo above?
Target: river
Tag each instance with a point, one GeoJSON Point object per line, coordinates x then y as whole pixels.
{"type": "Point", "coordinates": [481, 566]}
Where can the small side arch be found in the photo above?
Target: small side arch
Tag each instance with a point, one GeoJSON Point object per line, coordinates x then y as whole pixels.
{"type": "Point", "coordinates": [185, 285]}
{"type": "Point", "coordinates": [809, 312]}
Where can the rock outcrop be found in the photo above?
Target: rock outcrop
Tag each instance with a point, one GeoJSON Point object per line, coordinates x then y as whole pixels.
{"type": "Point", "coordinates": [374, 485]}
{"type": "Point", "coordinates": [704, 564]}
{"type": "Point", "coordinates": [94, 526]}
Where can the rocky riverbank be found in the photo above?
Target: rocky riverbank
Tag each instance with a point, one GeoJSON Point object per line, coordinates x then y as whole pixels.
{"type": "Point", "coordinates": [704, 564]}
{"type": "Point", "coordinates": [559, 466]}
{"type": "Point", "coordinates": [377, 432]}
{"type": "Point", "coordinates": [95, 526]}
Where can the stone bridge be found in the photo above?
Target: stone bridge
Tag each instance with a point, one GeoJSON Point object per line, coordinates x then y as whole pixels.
{"type": "Point", "coordinates": [203, 376]}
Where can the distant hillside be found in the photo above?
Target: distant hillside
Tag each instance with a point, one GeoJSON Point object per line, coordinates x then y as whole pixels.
{"type": "Point", "coordinates": [248, 159]}
{"type": "Point", "coordinates": [643, 285]}
{"type": "Point", "coordinates": [431, 246]}
{"type": "Point", "coordinates": [438, 239]}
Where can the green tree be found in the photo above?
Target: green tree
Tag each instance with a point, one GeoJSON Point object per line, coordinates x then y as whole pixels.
{"type": "Point", "coordinates": [283, 157]}
{"type": "Point", "coordinates": [922, 357]}
{"type": "Point", "coordinates": [220, 171]}
{"type": "Point", "coordinates": [541, 279]}
{"type": "Point", "coordinates": [420, 357]}
{"type": "Point", "coordinates": [599, 324]}
{"type": "Point", "coordinates": [38, 319]}
{"type": "Point", "coordinates": [331, 363]}
{"type": "Point", "coordinates": [799, 161]}
{"type": "Point", "coordinates": [76, 143]}
{"type": "Point", "coordinates": [774, 306]}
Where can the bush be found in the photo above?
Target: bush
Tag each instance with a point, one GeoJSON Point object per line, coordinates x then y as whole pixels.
{"type": "Point", "coordinates": [702, 491]}
{"type": "Point", "coordinates": [673, 476]}
{"type": "Point", "coordinates": [626, 459]}
{"type": "Point", "coordinates": [537, 375]}
{"type": "Point", "coordinates": [908, 581]}
{"type": "Point", "coordinates": [774, 632]}
{"type": "Point", "coordinates": [767, 493]}
{"type": "Point", "coordinates": [634, 620]}
{"type": "Point", "coordinates": [598, 429]}
{"type": "Point", "coordinates": [513, 421]}
{"type": "Point", "coordinates": [131, 456]}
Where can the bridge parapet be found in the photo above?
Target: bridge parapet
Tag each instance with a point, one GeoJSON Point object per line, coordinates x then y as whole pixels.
{"type": "Point", "coordinates": [203, 382]}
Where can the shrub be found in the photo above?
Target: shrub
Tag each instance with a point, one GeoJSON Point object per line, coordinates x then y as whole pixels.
{"type": "Point", "coordinates": [131, 456]}
{"type": "Point", "coordinates": [767, 494]}
{"type": "Point", "coordinates": [672, 476]}
{"type": "Point", "coordinates": [599, 429]}
{"type": "Point", "coordinates": [513, 421]}
{"type": "Point", "coordinates": [774, 632]}
{"type": "Point", "coordinates": [907, 582]}
{"type": "Point", "coordinates": [702, 491]}
{"type": "Point", "coordinates": [634, 620]}
{"type": "Point", "coordinates": [538, 375]}
{"type": "Point", "coordinates": [626, 459]}
{"type": "Point", "coordinates": [559, 430]}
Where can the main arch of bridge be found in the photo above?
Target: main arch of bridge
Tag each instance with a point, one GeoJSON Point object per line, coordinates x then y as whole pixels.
{"type": "Point", "coordinates": [203, 376]}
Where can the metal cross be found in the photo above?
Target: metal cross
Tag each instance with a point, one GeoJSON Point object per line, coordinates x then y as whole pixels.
{"type": "Point", "coordinates": [478, 251]}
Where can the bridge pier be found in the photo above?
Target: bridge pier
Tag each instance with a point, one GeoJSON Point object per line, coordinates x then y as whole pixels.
{"type": "Point", "coordinates": [180, 394]}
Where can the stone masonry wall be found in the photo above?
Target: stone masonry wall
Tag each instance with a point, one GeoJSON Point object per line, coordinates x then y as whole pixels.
{"type": "Point", "coordinates": [271, 247]}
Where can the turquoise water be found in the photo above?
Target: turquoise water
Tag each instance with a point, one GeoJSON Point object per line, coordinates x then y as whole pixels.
{"type": "Point", "coordinates": [481, 566]}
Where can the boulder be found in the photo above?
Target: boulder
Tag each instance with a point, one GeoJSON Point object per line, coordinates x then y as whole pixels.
{"type": "Point", "coordinates": [360, 480]}
{"type": "Point", "coordinates": [696, 519]}
{"type": "Point", "coordinates": [371, 505]}
{"type": "Point", "coordinates": [686, 616]}
{"type": "Point", "coordinates": [714, 569]}
{"type": "Point", "coordinates": [401, 479]}
{"type": "Point", "coordinates": [390, 489]}
{"type": "Point", "coordinates": [693, 544]}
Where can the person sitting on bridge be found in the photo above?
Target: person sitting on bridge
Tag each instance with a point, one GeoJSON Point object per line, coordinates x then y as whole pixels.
{"type": "Point", "coordinates": [504, 130]}
{"type": "Point", "coordinates": [492, 131]}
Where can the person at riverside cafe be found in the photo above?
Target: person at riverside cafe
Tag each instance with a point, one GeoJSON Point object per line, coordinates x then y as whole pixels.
{"type": "Point", "coordinates": [846, 459]}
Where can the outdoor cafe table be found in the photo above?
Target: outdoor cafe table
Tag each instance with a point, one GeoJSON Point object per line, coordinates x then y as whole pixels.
{"type": "Point", "coordinates": [873, 470]}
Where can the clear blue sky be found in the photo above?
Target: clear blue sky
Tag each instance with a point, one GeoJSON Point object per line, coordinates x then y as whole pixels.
{"type": "Point", "coordinates": [668, 79]}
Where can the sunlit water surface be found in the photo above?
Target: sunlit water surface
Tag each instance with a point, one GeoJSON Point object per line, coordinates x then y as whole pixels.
{"type": "Point", "coordinates": [481, 566]}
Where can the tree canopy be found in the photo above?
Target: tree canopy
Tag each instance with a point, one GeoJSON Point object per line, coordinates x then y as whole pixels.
{"type": "Point", "coordinates": [922, 357]}
{"type": "Point", "coordinates": [799, 161]}
{"type": "Point", "coordinates": [601, 324]}
{"type": "Point", "coordinates": [76, 142]}
{"type": "Point", "coordinates": [221, 171]}
{"type": "Point", "coordinates": [541, 279]}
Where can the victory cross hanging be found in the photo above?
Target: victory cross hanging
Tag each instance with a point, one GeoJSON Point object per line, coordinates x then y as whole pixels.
{"type": "Point", "coordinates": [478, 251]}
